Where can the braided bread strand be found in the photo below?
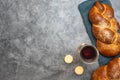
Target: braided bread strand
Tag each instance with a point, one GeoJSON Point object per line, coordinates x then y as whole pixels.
{"type": "Point", "coordinates": [105, 29]}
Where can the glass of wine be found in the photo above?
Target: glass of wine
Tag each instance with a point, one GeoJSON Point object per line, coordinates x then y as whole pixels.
{"type": "Point", "coordinates": [88, 53]}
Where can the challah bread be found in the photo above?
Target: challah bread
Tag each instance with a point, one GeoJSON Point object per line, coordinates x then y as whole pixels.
{"type": "Point", "coordinates": [111, 71]}
{"type": "Point", "coordinates": [105, 29]}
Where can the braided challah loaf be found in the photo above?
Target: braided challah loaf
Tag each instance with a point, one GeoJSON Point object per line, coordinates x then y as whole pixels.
{"type": "Point", "coordinates": [105, 29]}
{"type": "Point", "coordinates": [111, 71]}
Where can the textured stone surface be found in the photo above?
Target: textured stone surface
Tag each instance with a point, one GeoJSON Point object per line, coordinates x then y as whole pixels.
{"type": "Point", "coordinates": [35, 35]}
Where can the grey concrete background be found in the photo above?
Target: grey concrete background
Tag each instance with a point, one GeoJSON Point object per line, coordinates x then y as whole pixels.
{"type": "Point", "coordinates": [35, 35]}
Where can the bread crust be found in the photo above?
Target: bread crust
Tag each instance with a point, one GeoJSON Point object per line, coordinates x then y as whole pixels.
{"type": "Point", "coordinates": [110, 71]}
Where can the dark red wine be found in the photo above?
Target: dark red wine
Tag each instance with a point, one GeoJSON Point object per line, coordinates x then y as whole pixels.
{"type": "Point", "coordinates": [88, 53]}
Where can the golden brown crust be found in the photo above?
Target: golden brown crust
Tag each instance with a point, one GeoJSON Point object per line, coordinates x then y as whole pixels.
{"type": "Point", "coordinates": [100, 74]}
{"type": "Point", "coordinates": [107, 49]}
{"type": "Point", "coordinates": [105, 29]}
{"type": "Point", "coordinates": [111, 71]}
